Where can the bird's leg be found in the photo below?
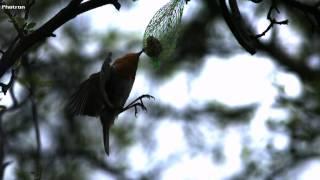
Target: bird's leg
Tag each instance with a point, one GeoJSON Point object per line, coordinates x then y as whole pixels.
{"type": "Point", "coordinates": [137, 103]}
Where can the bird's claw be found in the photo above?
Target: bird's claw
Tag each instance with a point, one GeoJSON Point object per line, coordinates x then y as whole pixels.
{"type": "Point", "coordinates": [145, 96]}
{"type": "Point", "coordinates": [136, 105]}
{"type": "Point", "coordinates": [140, 104]}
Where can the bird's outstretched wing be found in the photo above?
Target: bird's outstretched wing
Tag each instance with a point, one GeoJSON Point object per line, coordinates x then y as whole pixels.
{"type": "Point", "coordinates": [86, 100]}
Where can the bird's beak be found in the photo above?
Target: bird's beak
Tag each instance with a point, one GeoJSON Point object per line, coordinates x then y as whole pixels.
{"type": "Point", "coordinates": [139, 53]}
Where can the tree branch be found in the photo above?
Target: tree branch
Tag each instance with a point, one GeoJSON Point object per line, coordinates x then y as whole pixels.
{"type": "Point", "coordinates": [289, 62]}
{"type": "Point", "coordinates": [75, 2]}
{"type": "Point", "coordinates": [236, 25]}
{"type": "Point", "coordinates": [5, 87]}
{"type": "Point", "coordinates": [11, 55]}
{"type": "Point", "coordinates": [2, 152]}
{"type": "Point", "coordinates": [309, 9]}
{"type": "Point", "coordinates": [92, 4]}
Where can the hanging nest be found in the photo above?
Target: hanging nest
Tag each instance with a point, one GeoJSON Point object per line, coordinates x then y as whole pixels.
{"type": "Point", "coordinates": [161, 34]}
{"type": "Point", "coordinates": [153, 47]}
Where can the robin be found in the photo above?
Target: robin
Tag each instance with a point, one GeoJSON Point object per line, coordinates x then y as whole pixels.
{"type": "Point", "coordinates": [105, 93]}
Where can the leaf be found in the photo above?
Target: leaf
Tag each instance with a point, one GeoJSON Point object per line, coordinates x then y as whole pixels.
{"type": "Point", "coordinates": [245, 153]}
{"type": "Point", "coordinates": [20, 21]}
{"type": "Point", "coordinates": [30, 25]}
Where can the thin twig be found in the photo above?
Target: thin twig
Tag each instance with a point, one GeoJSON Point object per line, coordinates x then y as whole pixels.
{"type": "Point", "coordinates": [15, 23]}
{"type": "Point", "coordinates": [2, 152]}
{"type": "Point", "coordinates": [272, 20]}
{"type": "Point", "coordinates": [34, 110]}
{"type": "Point", "coordinates": [28, 7]}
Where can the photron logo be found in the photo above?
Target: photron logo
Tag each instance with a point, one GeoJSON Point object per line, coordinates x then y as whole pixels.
{"type": "Point", "coordinates": [5, 6]}
{"type": "Point", "coordinates": [13, 6]}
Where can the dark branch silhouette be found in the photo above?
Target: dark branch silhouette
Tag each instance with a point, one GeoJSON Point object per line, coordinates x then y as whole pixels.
{"type": "Point", "coordinates": [73, 9]}
{"type": "Point", "coordinates": [272, 20]}
{"type": "Point", "coordinates": [237, 26]}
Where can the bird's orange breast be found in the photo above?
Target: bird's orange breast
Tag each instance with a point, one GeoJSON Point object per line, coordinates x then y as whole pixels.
{"type": "Point", "coordinates": [127, 65]}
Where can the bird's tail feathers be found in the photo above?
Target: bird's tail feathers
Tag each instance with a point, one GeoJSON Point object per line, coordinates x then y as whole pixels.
{"type": "Point", "coordinates": [105, 135]}
{"type": "Point", "coordinates": [107, 118]}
